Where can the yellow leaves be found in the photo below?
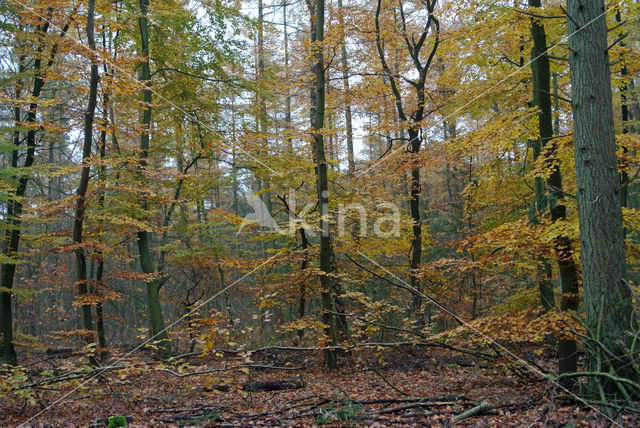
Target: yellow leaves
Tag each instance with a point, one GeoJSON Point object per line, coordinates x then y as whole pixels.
{"type": "Point", "coordinates": [528, 299]}
{"type": "Point", "coordinates": [520, 326]}
{"type": "Point", "coordinates": [267, 302]}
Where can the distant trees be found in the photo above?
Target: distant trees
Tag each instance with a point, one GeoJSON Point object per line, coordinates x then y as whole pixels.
{"type": "Point", "coordinates": [424, 109]}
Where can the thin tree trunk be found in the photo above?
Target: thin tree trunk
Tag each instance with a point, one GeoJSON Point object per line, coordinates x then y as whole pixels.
{"type": "Point", "coordinates": [322, 183]}
{"type": "Point", "coordinates": [413, 122]}
{"type": "Point", "coordinates": [346, 94]}
{"type": "Point", "coordinates": [11, 242]}
{"type": "Point", "coordinates": [567, 269]}
{"type": "Point", "coordinates": [262, 108]}
{"type": "Point", "coordinates": [158, 331]}
{"type": "Point", "coordinates": [81, 192]}
{"type": "Point", "coordinates": [302, 302]}
{"type": "Point", "coordinates": [624, 111]}
{"type": "Point", "coordinates": [287, 110]}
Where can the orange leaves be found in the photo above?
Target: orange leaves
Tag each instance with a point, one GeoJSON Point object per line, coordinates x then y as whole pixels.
{"type": "Point", "coordinates": [136, 276]}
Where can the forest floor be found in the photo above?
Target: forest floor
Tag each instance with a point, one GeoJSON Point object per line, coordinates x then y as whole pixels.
{"type": "Point", "coordinates": [280, 387]}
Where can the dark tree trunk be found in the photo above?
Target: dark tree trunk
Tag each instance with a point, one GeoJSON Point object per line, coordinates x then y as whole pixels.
{"type": "Point", "coordinates": [413, 122]}
{"type": "Point", "coordinates": [567, 269]}
{"type": "Point", "coordinates": [322, 184]}
{"type": "Point", "coordinates": [302, 303]}
{"type": "Point", "coordinates": [607, 296]}
{"type": "Point", "coordinates": [158, 331]}
{"type": "Point", "coordinates": [11, 242]}
{"type": "Point", "coordinates": [81, 192]}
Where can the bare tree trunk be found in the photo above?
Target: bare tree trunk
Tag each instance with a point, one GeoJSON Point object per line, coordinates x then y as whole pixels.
{"type": "Point", "coordinates": [11, 242]}
{"type": "Point", "coordinates": [346, 94]}
{"type": "Point", "coordinates": [322, 183]}
{"type": "Point", "coordinates": [413, 122]}
{"type": "Point", "coordinates": [81, 192]}
{"type": "Point", "coordinates": [158, 331]}
{"type": "Point", "coordinates": [607, 296]}
{"type": "Point", "coordinates": [567, 269]}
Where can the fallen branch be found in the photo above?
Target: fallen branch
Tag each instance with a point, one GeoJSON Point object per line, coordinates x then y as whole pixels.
{"type": "Point", "coordinates": [418, 405]}
{"type": "Point", "coordinates": [226, 369]}
{"type": "Point", "coordinates": [480, 408]}
{"type": "Point", "coordinates": [413, 400]}
{"type": "Point", "coordinates": [355, 346]}
{"type": "Point", "coordinates": [269, 385]}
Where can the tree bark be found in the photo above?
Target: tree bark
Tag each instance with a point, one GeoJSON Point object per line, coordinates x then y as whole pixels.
{"type": "Point", "coordinates": [413, 122]}
{"type": "Point", "coordinates": [317, 114]}
{"type": "Point", "coordinates": [607, 297]}
{"type": "Point", "coordinates": [158, 331]}
{"type": "Point", "coordinates": [81, 192]}
{"type": "Point", "coordinates": [11, 242]}
{"type": "Point", "coordinates": [567, 269]}
{"type": "Point", "coordinates": [346, 94]}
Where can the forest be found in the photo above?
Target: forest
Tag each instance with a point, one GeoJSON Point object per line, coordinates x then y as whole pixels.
{"type": "Point", "coordinates": [319, 213]}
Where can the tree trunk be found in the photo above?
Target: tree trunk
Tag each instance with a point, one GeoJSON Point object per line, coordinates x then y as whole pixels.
{"type": "Point", "coordinates": [567, 269]}
{"type": "Point", "coordinates": [414, 207]}
{"type": "Point", "coordinates": [322, 185]}
{"type": "Point", "coordinates": [346, 94]}
{"type": "Point", "coordinates": [11, 242]}
{"type": "Point", "coordinates": [287, 110]}
{"type": "Point", "coordinates": [305, 263]}
{"type": "Point", "coordinates": [158, 331]}
{"type": "Point", "coordinates": [413, 123]}
{"type": "Point", "coordinates": [607, 297]}
{"type": "Point", "coordinates": [262, 110]}
{"type": "Point", "coordinates": [81, 192]}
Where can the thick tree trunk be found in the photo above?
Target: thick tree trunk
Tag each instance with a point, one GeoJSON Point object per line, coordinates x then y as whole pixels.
{"type": "Point", "coordinates": [6, 309]}
{"type": "Point", "coordinates": [158, 331]}
{"type": "Point", "coordinates": [607, 297]}
{"type": "Point", "coordinates": [81, 192]}
{"type": "Point", "coordinates": [567, 269]}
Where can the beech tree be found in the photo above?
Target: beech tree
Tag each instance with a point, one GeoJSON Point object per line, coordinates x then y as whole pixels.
{"type": "Point", "coordinates": [412, 120]}
{"type": "Point", "coordinates": [78, 223]}
{"type": "Point", "coordinates": [554, 200]}
{"type": "Point", "coordinates": [317, 115]}
{"type": "Point", "coordinates": [46, 53]}
{"type": "Point", "coordinates": [610, 320]}
{"type": "Point", "coordinates": [156, 319]}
